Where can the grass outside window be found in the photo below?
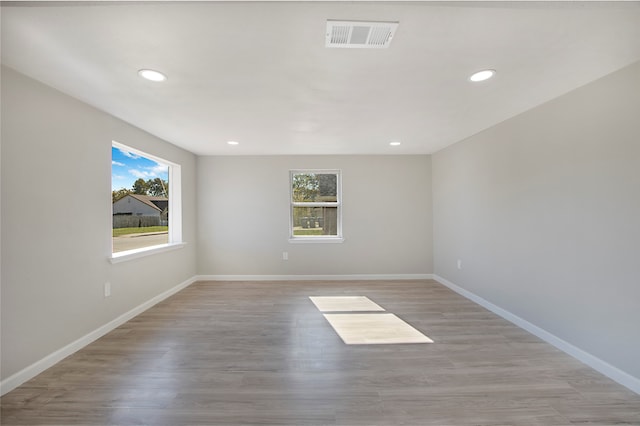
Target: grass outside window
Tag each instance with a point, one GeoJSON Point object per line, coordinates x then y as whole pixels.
{"type": "Point", "coordinates": [118, 232]}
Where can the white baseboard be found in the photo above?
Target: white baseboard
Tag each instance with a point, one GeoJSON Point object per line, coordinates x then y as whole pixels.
{"type": "Point", "coordinates": [27, 373]}
{"type": "Point", "coordinates": [348, 277]}
{"type": "Point", "coordinates": [625, 379]}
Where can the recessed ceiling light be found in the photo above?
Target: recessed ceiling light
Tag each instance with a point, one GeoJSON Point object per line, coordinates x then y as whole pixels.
{"type": "Point", "coordinates": [394, 143]}
{"type": "Point", "coordinates": [233, 143]}
{"type": "Point", "coordinates": [482, 75]}
{"type": "Point", "coordinates": [152, 75]}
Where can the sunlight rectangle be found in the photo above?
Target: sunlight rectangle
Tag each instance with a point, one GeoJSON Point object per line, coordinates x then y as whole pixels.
{"type": "Point", "coordinates": [374, 329]}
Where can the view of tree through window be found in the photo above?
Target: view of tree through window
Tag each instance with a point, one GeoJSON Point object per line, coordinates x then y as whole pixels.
{"type": "Point", "coordinates": [140, 200]}
{"type": "Point", "coordinates": [315, 204]}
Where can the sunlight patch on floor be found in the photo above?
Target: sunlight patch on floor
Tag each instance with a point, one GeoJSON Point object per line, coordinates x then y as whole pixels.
{"type": "Point", "coordinates": [374, 329]}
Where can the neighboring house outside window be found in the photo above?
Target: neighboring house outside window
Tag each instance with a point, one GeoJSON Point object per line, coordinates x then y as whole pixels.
{"type": "Point", "coordinates": [129, 211]}
{"type": "Point", "coordinates": [316, 203]}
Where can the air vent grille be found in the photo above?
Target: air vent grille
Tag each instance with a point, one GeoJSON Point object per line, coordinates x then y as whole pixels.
{"type": "Point", "coordinates": [358, 34]}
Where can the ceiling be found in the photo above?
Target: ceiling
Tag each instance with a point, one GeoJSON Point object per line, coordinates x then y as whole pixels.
{"type": "Point", "coordinates": [259, 72]}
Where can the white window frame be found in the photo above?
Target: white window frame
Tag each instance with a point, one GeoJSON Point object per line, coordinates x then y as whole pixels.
{"type": "Point", "coordinates": [175, 209]}
{"type": "Point", "coordinates": [324, 238]}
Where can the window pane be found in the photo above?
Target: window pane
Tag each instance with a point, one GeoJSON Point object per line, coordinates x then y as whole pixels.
{"type": "Point", "coordinates": [315, 187]}
{"type": "Point", "coordinates": [140, 201]}
{"type": "Point", "coordinates": [315, 221]}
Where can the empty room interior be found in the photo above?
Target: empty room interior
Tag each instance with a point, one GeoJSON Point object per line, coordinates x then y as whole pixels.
{"type": "Point", "coordinates": [322, 213]}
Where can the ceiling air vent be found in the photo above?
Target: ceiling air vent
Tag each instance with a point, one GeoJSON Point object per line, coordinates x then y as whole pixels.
{"type": "Point", "coordinates": [360, 34]}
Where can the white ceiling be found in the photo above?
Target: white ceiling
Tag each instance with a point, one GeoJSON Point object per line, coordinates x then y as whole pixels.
{"type": "Point", "coordinates": [259, 72]}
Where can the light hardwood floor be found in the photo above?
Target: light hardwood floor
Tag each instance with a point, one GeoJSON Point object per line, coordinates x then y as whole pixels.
{"type": "Point", "coordinates": [261, 353]}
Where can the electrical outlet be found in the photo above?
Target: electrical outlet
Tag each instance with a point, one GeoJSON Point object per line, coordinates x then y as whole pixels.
{"type": "Point", "coordinates": [285, 255]}
{"type": "Point", "coordinates": [459, 264]}
{"type": "Point", "coordinates": [107, 289]}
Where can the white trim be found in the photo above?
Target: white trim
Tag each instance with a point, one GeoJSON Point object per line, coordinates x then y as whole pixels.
{"type": "Point", "coordinates": [348, 277]}
{"type": "Point", "coordinates": [305, 240]}
{"type": "Point", "coordinates": [175, 204]}
{"type": "Point", "coordinates": [315, 204]}
{"type": "Point", "coordinates": [123, 256]}
{"type": "Point", "coordinates": [27, 373]}
{"type": "Point", "coordinates": [614, 373]}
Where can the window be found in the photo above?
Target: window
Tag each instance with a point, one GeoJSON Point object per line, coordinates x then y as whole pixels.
{"type": "Point", "coordinates": [146, 203]}
{"type": "Point", "coordinates": [315, 206]}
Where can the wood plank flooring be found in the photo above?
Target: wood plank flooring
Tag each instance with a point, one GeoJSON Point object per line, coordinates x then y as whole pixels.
{"type": "Point", "coordinates": [229, 353]}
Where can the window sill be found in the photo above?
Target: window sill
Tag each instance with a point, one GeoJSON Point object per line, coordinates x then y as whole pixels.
{"type": "Point", "coordinates": [302, 240]}
{"type": "Point", "coordinates": [124, 256]}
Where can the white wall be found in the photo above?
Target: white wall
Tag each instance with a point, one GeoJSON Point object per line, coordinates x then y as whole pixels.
{"type": "Point", "coordinates": [243, 216]}
{"type": "Point", "coordinates": [544, 212]}
{"type": "Point", "coordinates": [56, 222]}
